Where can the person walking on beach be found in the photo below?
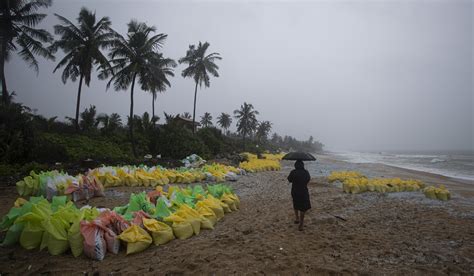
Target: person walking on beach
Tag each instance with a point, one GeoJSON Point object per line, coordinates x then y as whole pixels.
{"type": "Point", "coordinates": [299, 177]}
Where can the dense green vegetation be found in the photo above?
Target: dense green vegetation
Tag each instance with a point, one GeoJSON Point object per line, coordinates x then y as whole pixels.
{"type": "Point", "coordinates": [91, 45]}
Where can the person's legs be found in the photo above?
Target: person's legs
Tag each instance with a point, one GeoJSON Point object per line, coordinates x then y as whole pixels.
{"type": "Point", "coordinates": [301, 220]}
{"type": "Point", "coordinates": [297, 218]}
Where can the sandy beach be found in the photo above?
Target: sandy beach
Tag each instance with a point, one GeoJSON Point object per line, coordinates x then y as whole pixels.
{"type": "Point", "coordinates": [370, 233]}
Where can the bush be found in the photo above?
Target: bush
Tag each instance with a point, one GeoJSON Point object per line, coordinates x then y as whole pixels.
{"type": "Point", "coordinates": [54, 147]}
{"type": "Point", "coordinates": [175, 141]}
{"type": "Point", "coordinates": [16, 133]}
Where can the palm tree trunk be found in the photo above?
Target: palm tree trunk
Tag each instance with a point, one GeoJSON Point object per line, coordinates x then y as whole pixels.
{"type": "Point", "coordinates": [194, 110]}
{"type": "Point", "coordinates": [78, 104]}
{"type": "Point", "coordinates": [131, 117]}
{"type": "Point", "coordinates": [3, 53]}
{"type": "Point", "coordinates": [153, 107]}
{"type": "Point", "coordinates": [244, 140]}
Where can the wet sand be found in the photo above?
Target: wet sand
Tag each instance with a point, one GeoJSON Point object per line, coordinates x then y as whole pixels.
{"type": "Point", "coordinates": [370, 233]}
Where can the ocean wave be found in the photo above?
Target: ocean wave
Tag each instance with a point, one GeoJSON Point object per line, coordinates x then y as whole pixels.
{"type": "Point", "coordinates": [438, 160]}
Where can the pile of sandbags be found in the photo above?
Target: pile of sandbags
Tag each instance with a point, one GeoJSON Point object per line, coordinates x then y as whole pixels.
{"type": "Point", "coordinates": [260, 165]}
{"type": "Point", "coordinates": [268, 162]}
{"type": "Point", "coordinates": [344, 175]}
{"type": "Point", "coordinates": [156, 217]}
{"type": "Point", "coordinates": [354, 182]}
{"type": "Point", "coordinates": [219, 172]}
{"type": "Point", "coordinates": [157, 176]}
{"type": "Point", "coordinates": [54, 183]}
{"type": "Point", "coordinates": [382, 185]}
{"type": "Point", "coordinates": [440, 193]}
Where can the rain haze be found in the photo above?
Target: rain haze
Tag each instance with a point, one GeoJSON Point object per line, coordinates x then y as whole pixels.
{"type": "Point", "coordinates": [358, 75]}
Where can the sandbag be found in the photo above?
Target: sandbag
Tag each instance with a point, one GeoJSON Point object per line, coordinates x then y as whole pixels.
{"type": "Point", "coordinates": [182, 228]}
{"type": "Point", "coordinates": [32, 233]}
{"type": "Point", "coordinates": [13, 234]}
{"type": "Point", "coordinates": [55, 237]}
{"type": "Point", "coordinates": [94, 244]}
{"type": "Point", "coordinates": [112, 241]}
{"type": "Point", "coordinates": [74, 236]}
{"type": "Point", "coordinates": [160, 232]}
{"type": "Point", "coordinates": [162, 210]}
{"type": "Point", "coordinates": [137, 239]}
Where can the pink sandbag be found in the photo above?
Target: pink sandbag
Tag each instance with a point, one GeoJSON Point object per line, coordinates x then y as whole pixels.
{"type": "Point", "coordinates": [112, 241]}
{"type": "Point", "coordinates": [90, 187]}
{"type": "Point", "coordinates": [138, 218]}
{"type": "Point", "coordinates": [95, 245]}
{"type": "Point", "coordinates": [112, 220]}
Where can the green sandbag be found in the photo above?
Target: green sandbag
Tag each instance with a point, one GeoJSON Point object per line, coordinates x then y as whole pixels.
{"type": "Point", "coordinates": [121, 209]}
{"type": "Point", "coordinates": [58, 201]}
{"type": "Point", "coordinates": [13, 214]}
{"type": "Point", "coordinates": [139, 202]}
{"type": "Point", "coordinates": [161, 210]}
{"type": "Point", "coordinates": [198, 190]}
{"type": "Point", "coordinates": [13, 234]}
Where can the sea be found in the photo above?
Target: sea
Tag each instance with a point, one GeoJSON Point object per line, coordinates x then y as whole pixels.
{"type": "Point", "coordinates": [451, 164]}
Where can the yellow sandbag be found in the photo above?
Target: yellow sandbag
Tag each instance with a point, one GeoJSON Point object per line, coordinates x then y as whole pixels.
{"type": "Point", "coordinates": [160, 232]}
{"type": "Point", "coordinates": [182, 230]}
{"type": "Point", "coordinates": [194, 221]}
{"type": "Point", "coordinates": [137, 239]}
{"type": "Point", "coordinates": [19, 202]}
{"type": "Point", "coordinates": [430, 193]}
{"type": "Point", "coordinates": [55, 237]}
{"type": "Point", "coordinates": [443, 195]}
{"type": "Point", "coordinates": [207, 213]}
{"type": "Point", "coordinates": [229, 201]}
{"type": "Point", "coordinates": [74, 236]}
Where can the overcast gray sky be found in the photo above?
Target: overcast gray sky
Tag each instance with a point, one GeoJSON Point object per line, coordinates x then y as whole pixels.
{"type": "Point", "coordinates": [359, 75]}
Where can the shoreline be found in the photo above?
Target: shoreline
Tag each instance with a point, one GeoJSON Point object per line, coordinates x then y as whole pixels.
{"type": "Point", "coordinates": [463, 187]}
{"type": "Point", "coordinates": [447, 175]}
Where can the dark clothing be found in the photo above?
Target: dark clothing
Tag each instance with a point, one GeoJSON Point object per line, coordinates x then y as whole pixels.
{"type": "Point", "coordinates": [299, 177]}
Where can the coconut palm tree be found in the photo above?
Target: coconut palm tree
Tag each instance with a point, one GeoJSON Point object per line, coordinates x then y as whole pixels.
{"type": "Point", "coordinates": [206, 120]}
{"type": "Point", "coordinates": [17, 33]}
{"type": "Point", "coordinates": [135, 56]}
{"type": "Point", "coordinates": [88, 119]}
{"type": "Point", "coordinates": [157, 78]}
{"type": "Point", "coordinates": [224, 120]}
{"type": "Point", "coordinates": [246, 120]}
{"type": "Point", "coordinates": [263, 130]}
{"type": "Point", "coordinates": [110, 123]}
{"type": "Point", "coordinates": [82, 44]}
{"type": "Point", "coordinates": [186, 115]}
{"type": "Point", "coordinates": [199, 67]}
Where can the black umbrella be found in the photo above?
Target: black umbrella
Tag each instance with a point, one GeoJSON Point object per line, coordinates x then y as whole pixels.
{"type": "Point", "coordinates": [297, 155]}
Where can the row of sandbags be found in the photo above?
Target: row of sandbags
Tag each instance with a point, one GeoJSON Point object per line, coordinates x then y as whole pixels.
{"type": "Point", "coordinates": [54, 183]}
{"type": "Point", "coordinates": [382, 185]}
{"type": "Point", "coordinates": [268, 162]}
{"type": "Point", "coordinates": [440, 193]}
{"type": "Point", "coordinates": [344, 175]}
{"type": "Point", "coordinates": [354, 182]}
{"type": "Point", "coordinates": [156, 217]}
{"type": "Point", "coordinates": [157, 175]}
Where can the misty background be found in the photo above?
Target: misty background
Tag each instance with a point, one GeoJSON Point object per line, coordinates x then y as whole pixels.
{"type": "Point", "coordinates": [357, 75]}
